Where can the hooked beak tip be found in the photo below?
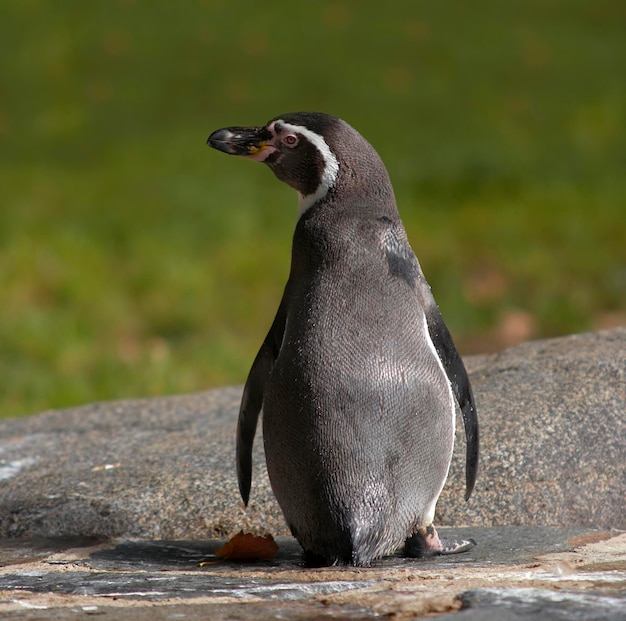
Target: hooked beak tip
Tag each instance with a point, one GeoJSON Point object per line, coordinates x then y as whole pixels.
{"type": "Point", "coordinates": [221, 140]}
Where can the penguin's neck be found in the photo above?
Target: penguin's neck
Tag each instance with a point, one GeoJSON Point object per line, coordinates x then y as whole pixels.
{"type": "Point", "coordinates": [306, 202]}
{"type": "Point", "coordinates": [364, 199]}
{"type": "Point", "coordinates": [329, 230]}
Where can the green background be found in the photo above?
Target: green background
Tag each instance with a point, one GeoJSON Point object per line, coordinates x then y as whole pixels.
{"type": "Point", "coordinates": [136, 261]}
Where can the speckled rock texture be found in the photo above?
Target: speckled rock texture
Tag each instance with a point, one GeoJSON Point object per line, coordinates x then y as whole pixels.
{"type": "Point", "coordinates": [516, 573]}
{"type": "Point", "coordinates": [553, 425]}
{"type": "Point", "coordinates": [553, 452]}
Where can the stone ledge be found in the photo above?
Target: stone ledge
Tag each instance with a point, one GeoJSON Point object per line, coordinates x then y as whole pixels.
{"type": "Point", "coordinates": [532, 573]}
{"type": "Point", "coordinates": [553, 432]}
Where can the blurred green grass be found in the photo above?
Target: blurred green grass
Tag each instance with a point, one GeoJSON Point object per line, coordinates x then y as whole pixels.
{"type": "Point", "coordinates": [135, 261]}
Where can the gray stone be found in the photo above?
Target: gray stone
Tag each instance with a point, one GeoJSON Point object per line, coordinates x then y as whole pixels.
{"type": "Point", "coordinates": [541, 604]}
{"type": "Point", "coordinates": [553, 453]}
{"type": "Point", "coordinates": [516, 572]}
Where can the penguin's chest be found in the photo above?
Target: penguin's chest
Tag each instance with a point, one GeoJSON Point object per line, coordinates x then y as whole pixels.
{"type": "Point", "coordinates": [356, 367]}
{"type": "Point", "coordinates": [358, 414]}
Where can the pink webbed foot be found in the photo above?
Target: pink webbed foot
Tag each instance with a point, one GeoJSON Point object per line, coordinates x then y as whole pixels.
{"type": "Point", "coordinates": [426, 542]}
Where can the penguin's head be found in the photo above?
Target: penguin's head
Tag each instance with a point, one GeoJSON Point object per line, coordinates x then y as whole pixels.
{"type": "Point", "coordinates": [313, 152]}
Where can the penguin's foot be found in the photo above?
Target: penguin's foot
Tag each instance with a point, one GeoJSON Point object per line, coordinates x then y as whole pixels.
{"type": "Point", "coordinates": [426, 542]}
{"type": "Point", "coordinates": [311, 559]}
{"type": "Point", "coordinates": [314, 560]}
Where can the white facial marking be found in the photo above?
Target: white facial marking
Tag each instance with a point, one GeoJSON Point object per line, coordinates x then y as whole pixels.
{"type": "Point", "coordinates": [331, 165]}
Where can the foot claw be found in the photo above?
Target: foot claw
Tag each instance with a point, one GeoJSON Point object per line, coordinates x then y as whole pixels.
{"type": "Point", "coordinates": [452, 546]}
{"type": "Point", "coordinates": [426, 542]}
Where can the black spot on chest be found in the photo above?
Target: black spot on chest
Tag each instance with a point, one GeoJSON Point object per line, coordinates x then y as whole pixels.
{"type": "Point", "coordinates": [400, 257]}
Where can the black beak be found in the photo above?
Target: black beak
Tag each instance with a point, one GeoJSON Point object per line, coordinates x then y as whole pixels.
{"type": "Point", "coordinates": [247, 141]}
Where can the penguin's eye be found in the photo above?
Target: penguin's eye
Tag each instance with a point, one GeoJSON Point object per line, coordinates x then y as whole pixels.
{"type": "Point", "coordinates": [290, 140]}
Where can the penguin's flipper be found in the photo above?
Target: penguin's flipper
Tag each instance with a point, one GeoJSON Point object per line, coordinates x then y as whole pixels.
{"type": "Point", "coordinates": [459, 380]}
{"type": "Point", "coordinates": [252, 400]}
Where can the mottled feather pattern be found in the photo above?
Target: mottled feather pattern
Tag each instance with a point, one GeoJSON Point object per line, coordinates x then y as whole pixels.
{"type": "Point", "coordinates": [400, 256]}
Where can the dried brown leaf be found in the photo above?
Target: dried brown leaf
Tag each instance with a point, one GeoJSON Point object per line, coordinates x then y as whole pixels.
{"type": "Point", "coordinates": [247, 547]}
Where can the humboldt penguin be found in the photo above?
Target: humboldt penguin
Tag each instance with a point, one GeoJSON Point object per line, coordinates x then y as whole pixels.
{"type": "Point", "coordinates": [358, 375]}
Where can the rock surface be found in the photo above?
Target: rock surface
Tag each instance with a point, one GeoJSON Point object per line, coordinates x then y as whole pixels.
{"type": "Point", "coordinates": [106, 509]}
{"type": "Point", "coordinates": [530, 573]}
{"type": "Point", "coordinates": [553, 427]}
{"type": "Point", "coordinates": [553, 452]}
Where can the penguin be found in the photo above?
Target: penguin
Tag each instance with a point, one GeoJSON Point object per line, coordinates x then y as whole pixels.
{"type": "Point", "coordinates": [358, 377]}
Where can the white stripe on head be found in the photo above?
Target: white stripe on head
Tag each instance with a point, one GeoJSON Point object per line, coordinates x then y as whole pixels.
{"type": "Point", "coordinates": [331, 165]}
